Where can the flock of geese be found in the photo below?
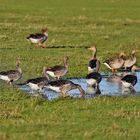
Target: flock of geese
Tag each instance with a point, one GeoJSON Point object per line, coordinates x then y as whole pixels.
{"type": "Point", "coordinates": [52, 78]}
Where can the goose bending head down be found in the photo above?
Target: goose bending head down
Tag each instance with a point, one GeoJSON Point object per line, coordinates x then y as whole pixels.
{"type": "Point", "coordinates": [64, 86]}
{"type": "Point", "coordinates": [131, 60]}
{"type": "Point", "coordinates": [115, 63]}
{"type": "Point", "coordinates": [58, 70]}
{"type": "Point", "coordinates": [93, 79]}
{"type": "Point", "coordinates": [129, 80]}
{"type": "Point", "coordinates": [39, 38]}
{"type": "Point", "coordinates": [12, 75]}
{"type": "Point", "coordinates": [94, 63]}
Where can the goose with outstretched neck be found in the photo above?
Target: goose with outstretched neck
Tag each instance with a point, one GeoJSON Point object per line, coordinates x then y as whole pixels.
{"type": "Point", "coordinates": [94, 63]}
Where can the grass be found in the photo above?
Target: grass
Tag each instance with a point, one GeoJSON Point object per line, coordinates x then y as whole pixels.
{"type": "Point", "coordinates": [112, 25]}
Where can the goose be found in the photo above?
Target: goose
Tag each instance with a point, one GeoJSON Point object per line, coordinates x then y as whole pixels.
{"type": "Point", "coordinates": [58, 70]}
{"type": "Point", "coordinates": [115, 63]}
{"type": "Point", "coordinates": [131, 60]}
{"type": "Point", "coordinates": [39, 38]}
{"type": "Point", "coordinates": [93, 79]}
{"type": "Point", "coordinates": [94, 63]}
{"type": "Point", "coordinates": [63, 86]}
{"type": "Point", "coordinates": [129, 80]}
{"type": "Point", "coordinates": [36, 84]}
{"type": "Point", "coordinates": [12, 75]}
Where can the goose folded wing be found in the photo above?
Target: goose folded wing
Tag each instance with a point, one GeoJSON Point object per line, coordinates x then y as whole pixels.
{"type": "Point", "coordinates": [8, 72]}
{"type": "Point", "coordinates": [37, 80]}
{"type": "Point", "coordinates": [36, 36]}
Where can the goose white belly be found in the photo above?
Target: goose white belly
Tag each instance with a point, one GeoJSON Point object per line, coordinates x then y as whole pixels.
{"type": "Point", "coordinates": [34, 40]}
{"type": "Point", "coordinates": [54, 88]}
{"type": "Point", "coordinates": [51, 73]}
{"type": "Point", "coordinates": [126, 84]}
{"type": "Point", "coordinates": [91, 70]}
{"type": "Point", "coordinates": [5, 78]}
{"type": "Point", "coordinates": [91, 81]}
{"type": "Point", "coordinates": [33, 86]}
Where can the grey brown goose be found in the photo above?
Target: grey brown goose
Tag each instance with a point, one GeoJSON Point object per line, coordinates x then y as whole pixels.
{"type": "Point", "coordinates": [94, 63]}
{"type": "Point", "coordinates": [131, 60]}
{"type": "Point", "coordinates": [39, 38]}
{"type": "Point", "coordinates": [12, 75]}
{"type": "Point", "coordinates": [63, 86]}
{"type": "Point", "coordinates": [36, 84]}
{"type": "Point", "coordinates": [58, 70]}
{"type": "Point", "coordinates": [115, 63]}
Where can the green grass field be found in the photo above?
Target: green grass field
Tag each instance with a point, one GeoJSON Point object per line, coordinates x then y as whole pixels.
{"type": "Point", "coordinates": [113, 25]}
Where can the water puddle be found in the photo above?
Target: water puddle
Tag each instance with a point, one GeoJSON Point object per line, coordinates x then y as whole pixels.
{"type": "Point", "coordinates": [109, 86]}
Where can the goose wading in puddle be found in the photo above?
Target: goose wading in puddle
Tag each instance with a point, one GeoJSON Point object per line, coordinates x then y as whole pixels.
{"type": "Point", "coordinates": [36, 84]}
{"type": "Point", "coordinates": [12, 75]}
{"type": "Point", "coordinates": [93, 79]}
{"type": "Point", "coordinates": [39, 38]}
{"type": "Point", "coordinates": [64, 86]}
{"type": "Point", "coordinates": [58, 70]}
{"type": "Point", "coordinates": [129, 80]}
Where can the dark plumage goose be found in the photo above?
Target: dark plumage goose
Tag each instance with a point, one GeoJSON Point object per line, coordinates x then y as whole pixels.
{"type": "Point", "coordinates": [115, 63]}
{"type": "Point", "coordinates": [57, 71]}
{"type": "Point", "coordinates": [12, 75]}
{"type": "Point", "coordinates": [39, 38]}
{"type": "Point", "coordinates": [93, 79]}
{"type": "Point", "coordinates": [129, 80]}
{"type": "Point", "coordinates": [63, 86]}
{"type": "Point", "coordinates": [36, 84]}
{"type": "Point", "coordinates": [131, 60]}
{"type": "Point", "coordinates": [94, 63]}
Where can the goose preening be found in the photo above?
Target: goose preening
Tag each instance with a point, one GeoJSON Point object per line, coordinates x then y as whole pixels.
{"type": "Point", "coordinates": [93, 79]}
{"type": "Point", "coordinates": [58, 70]}
{"type": "Point", "coordinates": [115, 63]}
{"type": "Point", "coordinates": [64, 86]}
{"type": "Point", "coordinates": [12, 75]}
{"type": "Point", "coordinates": [131, 60]}
{"type": "Point", "coordinates": [39, 38]}
{"type": "Point", "coordinates": [94, 63]}
{"type": "Point", "coordinates": [36, 84]}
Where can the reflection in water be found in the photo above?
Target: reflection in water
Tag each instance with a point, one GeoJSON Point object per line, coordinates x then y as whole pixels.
{"type": "Point", "coordinates": [110, 85]}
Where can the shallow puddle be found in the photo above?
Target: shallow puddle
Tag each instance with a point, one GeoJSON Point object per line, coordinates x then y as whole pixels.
{"type": "Point", "coordinates": [109, 86]}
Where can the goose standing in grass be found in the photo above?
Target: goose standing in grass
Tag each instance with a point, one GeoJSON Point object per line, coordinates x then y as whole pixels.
{"type": "Point", "coordinates": [63, 86]}
{"type": "Point", "coordinates": [115, 63]}
{"type": "Point", "coordinates": [93, 79]}
{"type": "Point", "coordinates": [39, 38]}
{"type": "Point", "coordinates": [12, 75]}
{"type": "Point", "coordinates": [58, 70]}
{"type": "Point", "coordinates": [36, 84]}
{"type": "Point", "coordinates": [131, 60]}
{"type": "Point", "coordinates": [94, 63]}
